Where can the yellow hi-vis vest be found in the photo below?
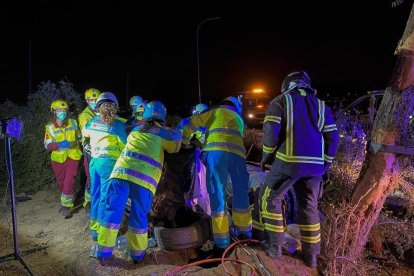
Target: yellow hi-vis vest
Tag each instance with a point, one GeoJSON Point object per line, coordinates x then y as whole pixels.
{"type": "Point", "coordinates": [83, 118]}
{"type": "Point", "coordinates": [224, 130]}
{"type": "Point", "coordinates": [107, 141]}
{"type": "Point", "coordinates": [71, 133]}
{"type": "Point", "coordinates": [142, 159]}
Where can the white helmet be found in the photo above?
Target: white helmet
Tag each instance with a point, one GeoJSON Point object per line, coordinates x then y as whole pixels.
{"type": "Point", "coordinates": [199, 108]}
{"type": "Point", "coordinates": [106, 97]}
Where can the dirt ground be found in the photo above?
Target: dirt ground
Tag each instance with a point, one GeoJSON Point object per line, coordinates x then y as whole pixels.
{"type": "Point", "coordinates": [66, 245]}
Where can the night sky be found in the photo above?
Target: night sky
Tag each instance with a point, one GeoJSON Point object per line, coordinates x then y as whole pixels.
{"type": "Point", "coordinates": [150, 50]}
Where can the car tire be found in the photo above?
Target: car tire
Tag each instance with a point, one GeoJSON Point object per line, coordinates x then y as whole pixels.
{"type": "Point", "coordinates": [186, 237]}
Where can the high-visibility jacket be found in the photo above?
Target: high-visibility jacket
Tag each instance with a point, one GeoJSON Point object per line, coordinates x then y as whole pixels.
{"type": "Point", "coordinates": [223, 129]}
{"type": "Point", "coordinates": [199, 134]}
{"type": "Point", "coordinates": [70, 132]}
{"type": "Point", "coordinates": [142, 159]}
{"type": "Point", "coordinates": [301, 130]}
{"type": "Point", "coordinates": [107, 141]}
{"type": "Point", "coordinates": [86, 115]}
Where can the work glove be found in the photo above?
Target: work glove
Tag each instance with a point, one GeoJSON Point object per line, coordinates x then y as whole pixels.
{"type": "Point", "coordinates": [65, 144]}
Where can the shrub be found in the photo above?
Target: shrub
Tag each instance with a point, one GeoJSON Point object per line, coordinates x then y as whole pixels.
{"type": "Point", "coordinates": [31, 161]}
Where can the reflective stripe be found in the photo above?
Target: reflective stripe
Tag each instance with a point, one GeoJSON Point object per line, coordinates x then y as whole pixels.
{"type": "Point", "coordinates": [299, 159]}
{"type": "Point", "coordinates": [302, 92]}
{"type": "Point", "coordinates": [218, 214]}
{"type": "Point", "coordinates": [102, 248]}
{"type": "Point", "coordinates": [328, 158]}
{"type": "Point", "coordinates": [225, 130]}
{"type": "Point", "coordinates": [241, 211]}
{"type": "Point", "coordinates": [264, 202]}
{"type": "Point", "coordinates": [272, 216]}
{"type": "Point", "coordinates": [58, 131]}
{"type": "Point", "coordinates": [242, 220]}
{"type": "Point", "coordinates": [329, 128]}
{"type": "Point", "coordinates": [310, 227]}
{"type": "Point", "coordinates": [258, 225]}
{"type": "Point", "coordinates": [321, 111]}
{"type": "Point", "coordinates": [137, 242]}
{"type": "Point", "coordinates": [302, 159]}
{"type": "Point", "coordinates": [225, 145]}
{"type": "Point", "coordinates": [220, 225]}
{"type": "Point", "coordinates": [111, 225]}
{"type": "Point", "coordinates": [289, 125]}
{"type": "Point", "coordinates": [142, 157]}
{"type": "Point", "coordinates": [66, 196]}
{"type": "Point", "coordinates": [138, 175]}
{"type": "Point", "coordinates": [274, 228]}
{"type": "Point", "coordinates": [268, 149]}
{"type": "Point", "coordinates": [66, 200]}
{"type": "Point", "coordinates": [137, 230]}
{"type": "Point", "coordinates": [311, 239]}
{"type": "Point", "coordinates": [273, 119]}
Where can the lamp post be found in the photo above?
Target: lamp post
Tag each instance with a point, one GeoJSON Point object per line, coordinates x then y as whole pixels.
{"type": "Point", "coordinates": [198, 57]}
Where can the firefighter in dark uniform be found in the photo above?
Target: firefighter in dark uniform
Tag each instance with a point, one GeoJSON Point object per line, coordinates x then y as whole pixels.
{"type": "Point", "coordinates": [300, 130]}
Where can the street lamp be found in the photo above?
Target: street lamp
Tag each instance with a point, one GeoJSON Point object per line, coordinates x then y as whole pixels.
{"type": "Point", "coordinates": [198, 58]}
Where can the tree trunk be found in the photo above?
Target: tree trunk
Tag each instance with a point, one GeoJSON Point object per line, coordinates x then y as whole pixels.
{"type": "Point", "coordinates": [379, 174]}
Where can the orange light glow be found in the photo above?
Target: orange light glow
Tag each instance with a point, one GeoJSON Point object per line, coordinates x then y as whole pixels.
{"type": "Point", "coordinates": [258, 91]}
{"type": "Point", "coordinates": [260, 106]}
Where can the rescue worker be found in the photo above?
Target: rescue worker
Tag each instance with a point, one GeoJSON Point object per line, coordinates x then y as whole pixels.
{"type": "Point", "coordinates": [223, 154]}
{"type": "Point", "coordinates": [198, 191]}
{"type": "Point", "coordinates": [106, 138]}
{"type": "Point", "coordinates": [91, 95]}
{"type": "Point", "coordinates": [136, 174]}
{"type": "Point", "coordinates": [300, 132]}
{"type": "Point", "coordinates": [62, 137]}
{"type": "Point", "coordinates": [137, 105]}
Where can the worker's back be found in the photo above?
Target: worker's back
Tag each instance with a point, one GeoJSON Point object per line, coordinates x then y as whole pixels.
{"type": "Point", "coordinates": [300, 149]}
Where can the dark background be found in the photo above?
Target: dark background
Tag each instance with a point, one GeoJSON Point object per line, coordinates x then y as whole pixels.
{"type": "Point", "coordinates": [150, 49]}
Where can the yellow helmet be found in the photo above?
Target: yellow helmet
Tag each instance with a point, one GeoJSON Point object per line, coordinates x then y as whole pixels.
{"type": "Point", "coordinates": [92, 94]}
{"type": "Point", "coordinates": [59, 104]}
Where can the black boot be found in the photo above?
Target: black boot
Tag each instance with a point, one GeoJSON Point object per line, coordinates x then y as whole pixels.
{"type": "Point", "coordinates": [273, 251]}
{"type": "Point", "coordinates": [311, 260]}
{"type": "Point", "coordinates": [66, 212]}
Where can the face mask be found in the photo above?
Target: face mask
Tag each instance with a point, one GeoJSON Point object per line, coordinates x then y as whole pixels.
{"type": "Point", "coordinates": [92, 105]}
{"type": "Point", "coordinates": [61, 115]}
